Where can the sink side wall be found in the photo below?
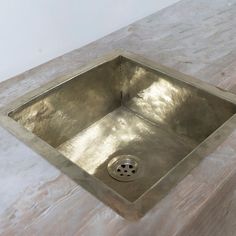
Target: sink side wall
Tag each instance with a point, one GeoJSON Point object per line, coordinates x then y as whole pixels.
{"type": "Point", "coordinates": [66, 110]}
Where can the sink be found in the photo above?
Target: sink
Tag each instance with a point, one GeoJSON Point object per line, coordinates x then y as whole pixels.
{"type": "Point", "coordinates": [124, 128]}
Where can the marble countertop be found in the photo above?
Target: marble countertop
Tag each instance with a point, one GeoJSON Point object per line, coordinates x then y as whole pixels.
{"type": "Point", "coordinates": [196, 37]}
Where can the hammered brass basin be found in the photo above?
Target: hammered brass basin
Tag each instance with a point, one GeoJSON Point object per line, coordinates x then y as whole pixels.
{"type": "Point", "coordinates": [125, 129]}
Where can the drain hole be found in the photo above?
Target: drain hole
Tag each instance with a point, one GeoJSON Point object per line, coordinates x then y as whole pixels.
{"type": "Point", "coordinates": [124, 167]}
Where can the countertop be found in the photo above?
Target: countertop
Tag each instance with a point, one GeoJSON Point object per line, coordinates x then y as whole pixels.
{"type": "Point", "coordinates": [196, 37]}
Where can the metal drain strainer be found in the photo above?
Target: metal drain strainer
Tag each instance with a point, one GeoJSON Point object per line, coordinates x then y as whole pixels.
{"type": "Point", "coordinates": [124, 167]}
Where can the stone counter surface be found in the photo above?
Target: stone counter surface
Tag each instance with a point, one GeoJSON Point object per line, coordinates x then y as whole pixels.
{"type": "Point", "coordinates": [196, 37]}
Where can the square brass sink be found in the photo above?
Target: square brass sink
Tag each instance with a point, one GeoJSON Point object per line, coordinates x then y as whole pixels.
{"type": "Point", "coordinates": [124, 128]}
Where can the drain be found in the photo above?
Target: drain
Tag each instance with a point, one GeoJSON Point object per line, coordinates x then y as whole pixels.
{"type": "Point", "coordinates": [124, 167]}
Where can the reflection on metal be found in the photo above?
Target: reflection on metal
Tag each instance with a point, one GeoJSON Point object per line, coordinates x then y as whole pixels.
{"type": "Point", "coordinates": [127, 130]}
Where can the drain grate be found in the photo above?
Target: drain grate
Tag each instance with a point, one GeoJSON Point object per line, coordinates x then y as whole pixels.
{"type": "Point", "coordinates": [124, 167]}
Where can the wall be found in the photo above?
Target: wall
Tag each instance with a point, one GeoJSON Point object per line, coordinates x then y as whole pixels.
{"type": "Point", "coordinates": [35, 31]}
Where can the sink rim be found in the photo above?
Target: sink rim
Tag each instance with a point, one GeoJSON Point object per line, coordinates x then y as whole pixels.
{"type": "Point", "coordinates": [129, 210]}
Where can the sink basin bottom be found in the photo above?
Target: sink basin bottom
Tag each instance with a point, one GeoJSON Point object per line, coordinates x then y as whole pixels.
{"type": "Point", "coordinates": [124, 132]}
